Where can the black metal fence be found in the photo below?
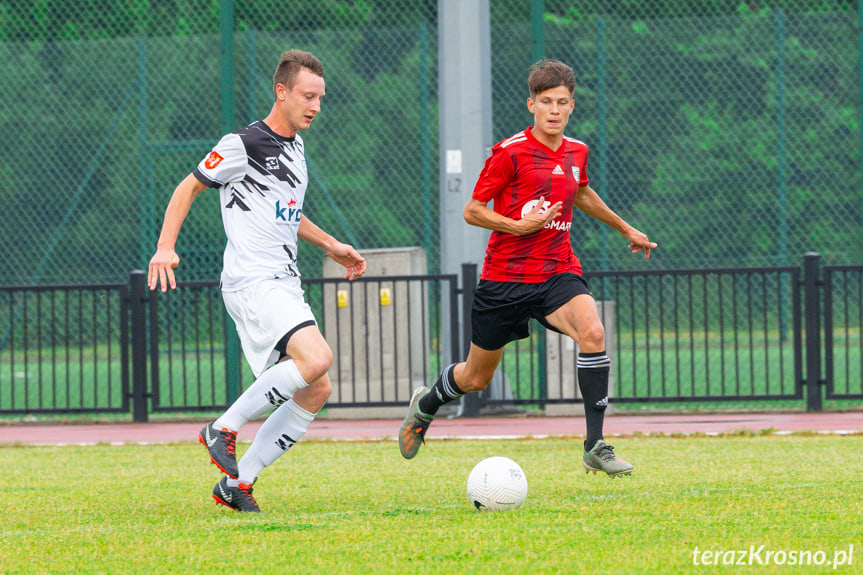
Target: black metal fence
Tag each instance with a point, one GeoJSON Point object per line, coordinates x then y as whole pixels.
{"type": "Point", "coordinates": [387, 335]}
{"type": "Point", "coordinates": [773, 333]}
{"type": "Point", "coordinates": [843, 323]}
{"type": "Point", "coordinates": [64, 349]}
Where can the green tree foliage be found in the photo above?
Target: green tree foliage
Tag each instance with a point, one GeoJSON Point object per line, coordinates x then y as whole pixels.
{"type": "Point", "coordinates": [732, 136]}
{"type": "Point", "coordinates": [107, 113]}
{"type": "Point", "coordinates": [729, 130]}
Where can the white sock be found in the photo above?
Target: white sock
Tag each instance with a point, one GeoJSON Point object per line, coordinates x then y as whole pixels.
{"type": "Point", "coordinates": [275, 386]}
{"type": "Point", "coordinates": [278, 434]}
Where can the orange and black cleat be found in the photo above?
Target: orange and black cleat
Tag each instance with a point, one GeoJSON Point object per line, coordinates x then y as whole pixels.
{"type": "Point", "coordinates": [237, 498]}
{"type": "Point", "coordinates": [222, 445]}
{"type": "Point", "coordinates": [413, 429]}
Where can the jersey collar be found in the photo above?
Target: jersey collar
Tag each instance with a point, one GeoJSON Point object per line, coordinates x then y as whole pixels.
{"type": "Point", "coordinates": [270, 131]}
{"type": "Point", "coordinates": [529, 132]}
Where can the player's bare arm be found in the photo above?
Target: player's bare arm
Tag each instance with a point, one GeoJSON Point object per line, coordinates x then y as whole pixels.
{"type": "Point", "coordinates": [341, 253]}
{"type": "Point", "coordinates": [477, 213]}
{"type": "Point", "coordinates": [165, 260]}
{"type": "Point", "coordinates": [589, 202]}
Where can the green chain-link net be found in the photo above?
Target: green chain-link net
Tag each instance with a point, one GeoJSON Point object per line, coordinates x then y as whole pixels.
{"type": "Point", "coordinates": [730, 133]}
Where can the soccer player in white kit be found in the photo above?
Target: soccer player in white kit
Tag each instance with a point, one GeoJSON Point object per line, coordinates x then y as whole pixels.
{"type": "Point", "coordinates": [260, 172]}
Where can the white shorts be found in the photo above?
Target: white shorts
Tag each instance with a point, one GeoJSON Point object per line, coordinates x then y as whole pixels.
{"type": "Point", "coordinates": [265, 313]}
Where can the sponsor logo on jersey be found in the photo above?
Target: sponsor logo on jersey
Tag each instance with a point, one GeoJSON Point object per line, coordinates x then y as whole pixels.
{"type": "Point", "coordinates": [288, 214]}
{"type": "Point", "coordinates": [532, 204]}
{"type": "Point", "coordinates": [555, 224]}
{"type": "Point", "coordinates": [557, 171]}
{"type": "Point", "coordinates": [213, 160]}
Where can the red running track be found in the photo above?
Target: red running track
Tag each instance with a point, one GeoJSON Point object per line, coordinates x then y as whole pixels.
{"type": "Point", "coordinates": [483, 427]}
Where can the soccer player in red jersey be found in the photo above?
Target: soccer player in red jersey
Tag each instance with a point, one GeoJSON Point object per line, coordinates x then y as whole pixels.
{"type": "Point", "coordinates": [534, 178]}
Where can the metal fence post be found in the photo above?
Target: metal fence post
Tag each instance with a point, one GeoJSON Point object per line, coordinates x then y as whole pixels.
{"type": "Point", "coordinates": [138, 296]}
{"type": "Point", "coordinates": [537, 30]}
{"type": "Point", "coordinates": [472, 402]}
{"type": "Point", "coordinates": [812, 311]}
{"type": "Point", "coordinates": [233, 365]}
{"type": "Point", "coordinates": [454, 315]}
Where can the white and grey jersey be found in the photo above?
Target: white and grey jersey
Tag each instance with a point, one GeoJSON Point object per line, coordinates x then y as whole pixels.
{"type": "Point", "coordinates": [262, 181]}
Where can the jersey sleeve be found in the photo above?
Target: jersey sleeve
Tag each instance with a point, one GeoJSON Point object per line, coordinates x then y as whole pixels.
{"type": "Point", "coordinates": [225, 163]}
{"type": "Point", "coordinates": [584, 180]}
{"type": "Point", "coordinates": [496, 175]}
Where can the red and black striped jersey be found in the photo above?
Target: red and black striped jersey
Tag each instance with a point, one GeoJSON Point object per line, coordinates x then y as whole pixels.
{"type": "Point", "coordinates": [519, 171]}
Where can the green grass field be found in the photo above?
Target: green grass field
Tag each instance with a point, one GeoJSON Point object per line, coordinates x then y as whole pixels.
{"type": "Point", "coordinates": [357, 507]}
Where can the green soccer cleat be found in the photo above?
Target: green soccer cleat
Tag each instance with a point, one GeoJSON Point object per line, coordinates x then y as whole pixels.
{"type": "Point", "coordinates": [414, 426]}
{"type": "Point", "coordinates": [602, 458]}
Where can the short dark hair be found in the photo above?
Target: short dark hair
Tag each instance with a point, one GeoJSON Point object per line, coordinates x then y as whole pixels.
{"type": "Point", "coordinates": [548, 74]}
{"type": "Point", "coordinates": [290, 64]}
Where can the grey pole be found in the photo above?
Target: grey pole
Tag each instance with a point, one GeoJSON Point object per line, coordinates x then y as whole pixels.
{"type": "Point", "coordinates": [465, 124]}
{"type": "Point", "coordinates": [464, 98]}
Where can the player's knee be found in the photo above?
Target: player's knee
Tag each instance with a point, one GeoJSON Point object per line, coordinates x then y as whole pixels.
{"type": "Point", "coordinates": [474, 382]}
{"type": "Point", "coordinates": [592, 338]}
{"type": "Point", "coordinates": [315, 364]}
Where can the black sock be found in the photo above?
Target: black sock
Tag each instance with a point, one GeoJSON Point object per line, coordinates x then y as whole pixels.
{"type": "Point", "coordinates": [593, 371]}
{"type": "Point", "coordinates": [444, 391]}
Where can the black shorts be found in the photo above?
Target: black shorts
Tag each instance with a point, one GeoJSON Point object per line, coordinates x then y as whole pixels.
{"type": "Point", "coordinates": [501, 310]}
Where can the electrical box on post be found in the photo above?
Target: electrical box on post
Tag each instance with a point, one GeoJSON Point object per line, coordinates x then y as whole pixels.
{"type": "Point", "coordinates": [378, 330]}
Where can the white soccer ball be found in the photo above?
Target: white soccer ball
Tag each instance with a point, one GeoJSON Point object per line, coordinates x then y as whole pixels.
{"type": "Point", "coordinates": [497, 484]}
